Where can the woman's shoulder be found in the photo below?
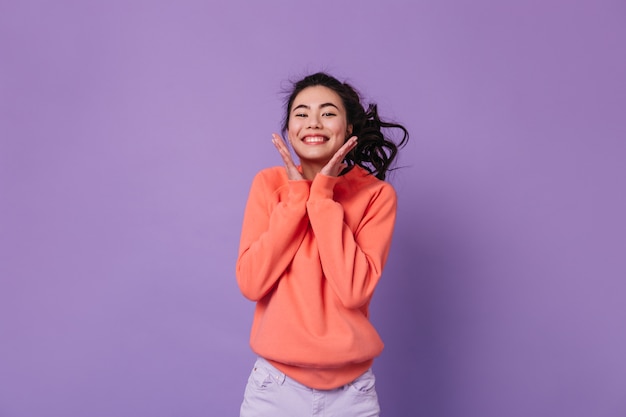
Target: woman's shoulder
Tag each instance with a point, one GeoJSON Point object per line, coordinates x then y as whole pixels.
{"type": "Point", "coordinates": [272, 172]}
{"type": "Point", "coordinates": [362, 178]}
{"type": "Point", "coordinates": [271, 177]}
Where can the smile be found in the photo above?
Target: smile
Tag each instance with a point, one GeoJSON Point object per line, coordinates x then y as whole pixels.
{"type": "Point", "coordinates": [314, 139]}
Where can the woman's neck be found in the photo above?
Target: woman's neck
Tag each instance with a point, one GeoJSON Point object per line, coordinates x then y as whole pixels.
{"type": "Point", "coordinates": [309, 171]}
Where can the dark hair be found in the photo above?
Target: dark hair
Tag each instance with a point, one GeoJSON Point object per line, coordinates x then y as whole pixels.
{"type": "Point", "coordinates": [374, 151]}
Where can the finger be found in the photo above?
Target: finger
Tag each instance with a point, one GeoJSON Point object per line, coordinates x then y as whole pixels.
{"type": "Point", "coordinates": [290, 166]}
{"type": "Point", "coordinates": [347, 147]}
{"type": "Point", "coordinates": [282, 148]}
{"type": "Point", "coordinates": [343, 151]}
{"type": "Point", "coordinates": [350, 144]}
{"type": "Point", "coordinates": [277, 139]}
{"type": "Point", "coordinates": [278, 142]}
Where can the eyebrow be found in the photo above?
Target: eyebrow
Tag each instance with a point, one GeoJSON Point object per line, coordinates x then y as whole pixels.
{"type": "Point", "coordinates": [304, 106]}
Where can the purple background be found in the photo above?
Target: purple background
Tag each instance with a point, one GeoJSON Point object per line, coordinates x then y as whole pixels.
{"type": "Point", "coordinates": [130, 132]}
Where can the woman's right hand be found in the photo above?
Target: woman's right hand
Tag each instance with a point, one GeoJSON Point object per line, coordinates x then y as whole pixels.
{"type": "Point", "coordinates": [290, 166]}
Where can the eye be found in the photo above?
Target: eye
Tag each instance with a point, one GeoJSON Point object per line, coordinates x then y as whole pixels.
{"type": "Point", "coordinates": [328, 114]}
{"type": "Point", "coordinates": [300, 115]}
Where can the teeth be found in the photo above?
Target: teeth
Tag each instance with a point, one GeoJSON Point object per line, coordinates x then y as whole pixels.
{"type": "Point", "coordinates": [314, 139]}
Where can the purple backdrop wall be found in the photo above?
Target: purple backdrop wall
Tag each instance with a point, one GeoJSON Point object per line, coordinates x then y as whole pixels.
{"type": "Point", "coordinates": [130, 132]}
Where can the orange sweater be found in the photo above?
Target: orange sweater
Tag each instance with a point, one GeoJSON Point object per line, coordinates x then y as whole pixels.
{"type": "Point", "coordinates": [311, 254]}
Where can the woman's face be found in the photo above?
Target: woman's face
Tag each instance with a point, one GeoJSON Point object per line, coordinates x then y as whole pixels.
{"type": "Point", "coordinates": [318, 125]}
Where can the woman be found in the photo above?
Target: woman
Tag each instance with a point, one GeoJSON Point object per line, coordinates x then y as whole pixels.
{"type": "Point", "coordinates": [314, 240]}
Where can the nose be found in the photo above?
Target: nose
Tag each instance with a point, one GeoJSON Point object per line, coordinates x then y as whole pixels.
{"type": "Point", "coordinates": [314, 122]}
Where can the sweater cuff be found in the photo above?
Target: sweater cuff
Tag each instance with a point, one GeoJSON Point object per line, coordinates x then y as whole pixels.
{"type": "Point", "coordinates": [322, 187]}
{"type": "Point", "coordinates": [298, 190]}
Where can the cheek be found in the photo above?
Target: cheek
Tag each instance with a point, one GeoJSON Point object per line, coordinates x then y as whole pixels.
{"type": "Point", "coordinates": [291, 129]}
{"type": "Point", "coordinates": [340, 127]}
{"type": "Point", "coordinates": [294, 125]}
{"type": "Point", "coordinates": [292, 133]}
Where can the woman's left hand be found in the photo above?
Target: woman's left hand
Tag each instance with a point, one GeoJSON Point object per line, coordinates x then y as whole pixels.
{"type": "Point", "coordinates": [334, 167]}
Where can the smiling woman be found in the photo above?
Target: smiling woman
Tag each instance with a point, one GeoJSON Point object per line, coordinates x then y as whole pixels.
{"type": "Point", "coordinates": [314, 241]}
{"type": "Point", "coordinates": [373, 151]}
{"type": "Point", "coordinates": [318, 128]}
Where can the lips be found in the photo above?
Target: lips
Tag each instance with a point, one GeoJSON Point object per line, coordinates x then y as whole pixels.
{"type": "Point", "coordinates": [314, 139]}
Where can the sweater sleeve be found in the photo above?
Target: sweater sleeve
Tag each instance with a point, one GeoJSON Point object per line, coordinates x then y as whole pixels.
{"type": "Point", "coordinates": [270, 237]}
{"type": "Point", "coordinates": [352, 261]}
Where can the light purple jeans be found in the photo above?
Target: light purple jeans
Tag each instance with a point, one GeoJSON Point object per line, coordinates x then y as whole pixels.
{"type": "Point", "coordinates": [270, 393]}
